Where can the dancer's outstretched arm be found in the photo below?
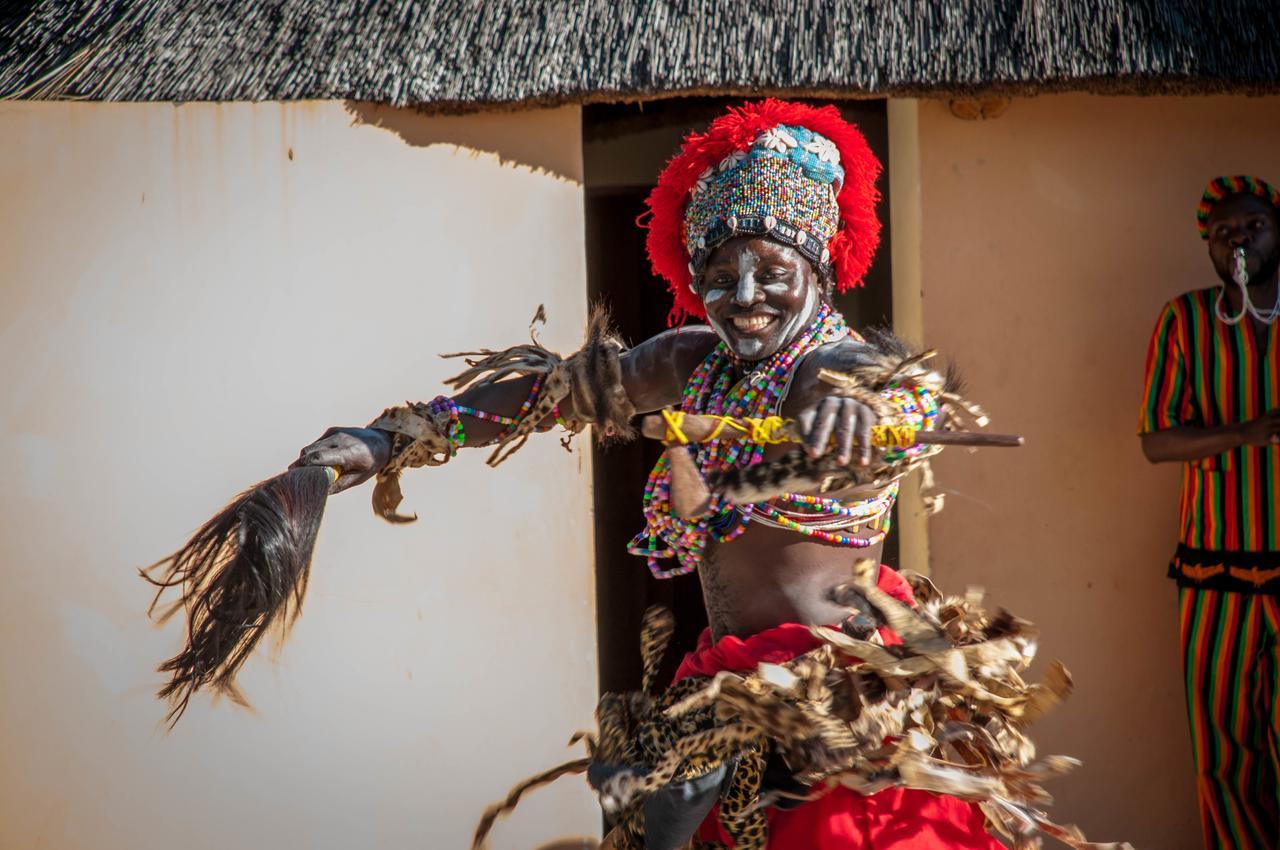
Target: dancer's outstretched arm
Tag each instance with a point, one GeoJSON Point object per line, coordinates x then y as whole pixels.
{"type": "Point", "coordinates": [650, 376]}
{"type": "Point", "coordinates": [647, 377]}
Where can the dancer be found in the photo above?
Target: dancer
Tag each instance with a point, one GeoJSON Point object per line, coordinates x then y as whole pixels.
{"type": "Point", "coordinates": [755, 224]}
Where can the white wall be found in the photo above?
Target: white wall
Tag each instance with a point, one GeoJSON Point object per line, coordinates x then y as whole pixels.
{"type": "Point", "coordinates": [188, 295]}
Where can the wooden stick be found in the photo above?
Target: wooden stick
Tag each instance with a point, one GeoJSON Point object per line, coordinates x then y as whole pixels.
{"type": "Point", "coordinates": [698, 428]}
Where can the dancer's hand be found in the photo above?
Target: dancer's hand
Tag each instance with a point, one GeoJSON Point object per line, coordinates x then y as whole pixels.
{"type": "Point", "coordinates": [673, 813]}
{"type": "Point", "coordinates": [1262, 431]}
{"type": "Point", "coordinates": [848, 419]}
{"type": "Point", "coordinates": [358, 453]}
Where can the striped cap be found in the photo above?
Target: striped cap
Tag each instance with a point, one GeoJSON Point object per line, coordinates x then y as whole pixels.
{"type": "Point", "coordinates": [1221, 187]}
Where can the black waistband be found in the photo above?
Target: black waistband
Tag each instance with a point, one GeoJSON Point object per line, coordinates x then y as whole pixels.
{"type": "Point", "coordinates": [1243, 572]}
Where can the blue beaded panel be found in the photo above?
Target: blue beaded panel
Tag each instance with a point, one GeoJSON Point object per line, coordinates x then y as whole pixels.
{"type": "Point", "coordinates": [790, 174]}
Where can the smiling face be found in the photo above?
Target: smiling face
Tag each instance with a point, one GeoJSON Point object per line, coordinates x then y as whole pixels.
{"type": "Point", "coordinates": [1249, 222]}
{"type": "Point", "coordinates": [758, 295]}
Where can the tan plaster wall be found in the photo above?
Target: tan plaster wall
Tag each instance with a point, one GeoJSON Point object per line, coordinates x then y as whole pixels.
{"type": "Point", "coordinates": [1051, 237]}
{"type": "Point", "coordinates": [189, 294]}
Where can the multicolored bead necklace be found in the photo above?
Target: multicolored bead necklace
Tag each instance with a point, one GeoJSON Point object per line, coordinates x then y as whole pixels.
{"type": "Point", "coordinates": [823, 515]}
{"type": "Point", "coordinates": [719, 386]}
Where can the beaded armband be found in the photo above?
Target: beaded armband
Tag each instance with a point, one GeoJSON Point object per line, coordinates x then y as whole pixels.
{"type": "Point", "coordinates": [454, 431]}
{"type": "Point", "coordinates": [917, 410]}
{"type": "Point", "coordinates": [444, 406]}
{"type": "Point", "coordinates": [429, 434]}
{"type": "Point", "coordinates": [591, 378]}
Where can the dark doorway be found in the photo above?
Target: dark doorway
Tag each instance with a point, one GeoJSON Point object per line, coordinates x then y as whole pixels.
{"type": "Point", "coordinates": [624, 149]}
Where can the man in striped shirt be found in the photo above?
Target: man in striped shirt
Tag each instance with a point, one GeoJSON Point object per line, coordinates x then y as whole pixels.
{"type": "Point", "coordinates": [1212, 403]}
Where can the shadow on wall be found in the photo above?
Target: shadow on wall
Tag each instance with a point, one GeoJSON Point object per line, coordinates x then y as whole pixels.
{"type": "Point", "coordinates": [539, 146]}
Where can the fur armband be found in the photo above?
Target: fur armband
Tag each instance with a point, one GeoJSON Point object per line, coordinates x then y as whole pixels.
{"type": "Point", "coordinates": [590, 380]}
{"type": "Point", "coordinates": [419, 438]}
{"type": "Point", "coordinates": [595, 375]}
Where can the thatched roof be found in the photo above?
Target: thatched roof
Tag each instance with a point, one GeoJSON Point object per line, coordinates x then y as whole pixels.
{"type": "Point", "coordinates": [469, 54]}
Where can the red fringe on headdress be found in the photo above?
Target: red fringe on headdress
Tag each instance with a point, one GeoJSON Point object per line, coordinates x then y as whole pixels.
{"type": "Point", "coordinates": [851, 249]}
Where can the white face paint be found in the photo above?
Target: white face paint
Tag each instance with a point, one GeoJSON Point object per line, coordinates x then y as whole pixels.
{"type": "Point", "coordinates": [747, 349]}
{"type": "Point", "coordinates": [797, 322]}
{"type": "Point", "coordinates": [746, 290]}
{"type": "Point", "coordinates": [744, 293]}
{"type": "Point", "coordinates": [747, 262]}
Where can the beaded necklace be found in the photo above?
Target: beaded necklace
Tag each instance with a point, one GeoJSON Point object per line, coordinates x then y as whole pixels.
{"type": "Point", "coordinates": [719, 386]}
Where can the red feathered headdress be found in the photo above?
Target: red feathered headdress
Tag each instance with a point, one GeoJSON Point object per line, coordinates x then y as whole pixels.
{"type": "Point", "coordinates": [849, 250]}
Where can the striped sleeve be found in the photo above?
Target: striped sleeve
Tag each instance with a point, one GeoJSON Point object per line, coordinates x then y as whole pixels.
{"type": "Point", "coordinates": [1167, 401]}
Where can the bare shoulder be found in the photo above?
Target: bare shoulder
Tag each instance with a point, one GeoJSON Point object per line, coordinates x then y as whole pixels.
{"type": "Point", "coordinates": [656, 370]}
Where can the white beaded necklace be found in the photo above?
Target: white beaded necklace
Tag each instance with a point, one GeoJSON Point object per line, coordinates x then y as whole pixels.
{"type": "Point", "coordinates": [1241, 277]}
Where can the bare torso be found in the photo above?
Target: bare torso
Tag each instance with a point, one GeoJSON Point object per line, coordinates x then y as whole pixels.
{"type": "Point", "coordinates": [766, 576]}
{"type": "Point", "coordinates": [770, 576]}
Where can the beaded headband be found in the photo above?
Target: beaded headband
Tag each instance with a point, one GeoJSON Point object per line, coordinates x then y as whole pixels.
{"type": "Point", "coordinates": [797, 174]}
{"type": "Point", "coordinates": [784, 186]}
{"type": "Point", "coordinates": [1221, 187]}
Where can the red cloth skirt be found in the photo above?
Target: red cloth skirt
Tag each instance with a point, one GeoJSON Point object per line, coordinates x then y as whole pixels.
{"type": "Point", "coordinates": [842, 819]}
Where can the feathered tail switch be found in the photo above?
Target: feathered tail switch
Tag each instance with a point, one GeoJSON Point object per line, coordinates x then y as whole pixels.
{"type": "Point", "coordinates": [241, 575]}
